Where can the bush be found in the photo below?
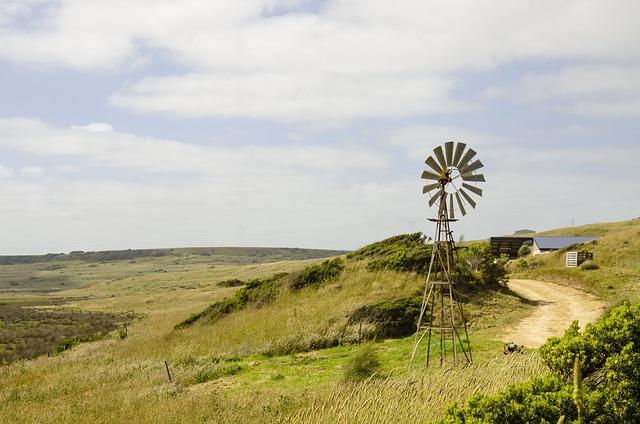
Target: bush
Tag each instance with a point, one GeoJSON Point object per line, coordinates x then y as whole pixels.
{"type": "Point", "coordinates": [231, 283]}
{"type": "Point", "coordinates": [524, 251]}
{"type": "Point", "coordinates": [316, 275]}
{"type": "Point", "coordinates": [390, 246]}
{"type": "Point", "coordinates": [476, 264]}
{"type": "Point", "coordinates": [609, 355]}
{"type": "Point", "coordinates": [608, 358]}
{"type": "Point", "coordinates": [541, 400]}
{"type": "Point", "coordinates": [405, 252]}
{"type": "Point", "coordinates": [589, 266]}
{"type": "Point", "coordinates": [256, 292]}
{"type": "Point", "coordinates": [389, 319]}
{"type": "Point", "coordinates": [405, 260]}
{"type": "Point", "coordinates": [364, 364]}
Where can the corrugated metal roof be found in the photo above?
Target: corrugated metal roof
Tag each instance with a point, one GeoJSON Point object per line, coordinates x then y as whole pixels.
{"type": "Point", "coordinates": [558, 242]}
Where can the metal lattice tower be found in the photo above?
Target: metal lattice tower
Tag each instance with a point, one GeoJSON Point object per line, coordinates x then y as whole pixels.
{"type": "Point", "coordinates": [442, 324]}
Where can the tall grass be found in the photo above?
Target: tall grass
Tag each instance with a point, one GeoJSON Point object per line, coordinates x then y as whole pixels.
{"type": "Point", "coordinates": [419, 397]}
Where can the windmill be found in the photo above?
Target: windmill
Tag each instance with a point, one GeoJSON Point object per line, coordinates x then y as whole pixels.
{"type": "Point", "coordinates": [452, 183]}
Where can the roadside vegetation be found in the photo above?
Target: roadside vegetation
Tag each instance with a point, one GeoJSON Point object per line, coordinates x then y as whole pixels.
{"type": "Point", "coordinates": [322, 339]}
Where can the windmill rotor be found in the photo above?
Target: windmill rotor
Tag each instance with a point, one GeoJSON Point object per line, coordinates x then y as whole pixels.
{"type": "Point", "coordinates": [452, 178]}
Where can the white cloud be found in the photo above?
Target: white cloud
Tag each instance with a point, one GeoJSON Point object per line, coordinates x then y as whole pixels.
{"type": "Point", "coordinates": [32, 171]}
{"type": "Point", "coordinates": [5, 172]}
{"type": "Point", "coordinates": [100, 145]}
{"type": "Point", "coordinates": [95, 127]}
{"type": "Point", "coordinates": [288, 97]}
{"type": "Point", "coordinates": [593, 89]}
{"type": "Point", "coordinates": [351, 59]}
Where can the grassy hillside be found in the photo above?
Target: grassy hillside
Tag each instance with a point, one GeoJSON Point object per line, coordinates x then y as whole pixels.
{"type": "Point", "coordinates": [53, 275]}
{"type": "Point", "coordinates": [260, 363]}
{"type": "Point", "coordinates": [615, 253]}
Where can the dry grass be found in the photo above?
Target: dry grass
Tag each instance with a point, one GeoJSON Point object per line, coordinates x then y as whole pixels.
{"type": "Point", "coordinates": [126, 380]}
{"type": "Point", "coordinates": [420, 397]}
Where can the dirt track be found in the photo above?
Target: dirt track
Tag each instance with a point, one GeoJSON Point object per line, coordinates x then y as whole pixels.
{"type": "Point", "coordinates": [556, 307]}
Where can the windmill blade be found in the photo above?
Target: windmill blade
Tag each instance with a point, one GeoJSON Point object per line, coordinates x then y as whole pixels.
{"type": "Point", "coordinates": [448, 152]}
{"type": "Point", "coordinates": [429, 187]}
{"type": "Point", "coordinates": [451, 208]}
{"type": "Point", "coordinates": [459, 149]}
{"type": "Point", "coordinates": [471, 167]}
{"type": "Point", "coordinates": [436, 197]}
{"type": "Point", "coordinates": [440, 156]}
{"type": "Point", "coordinates": [468, 198]}
{"type": "Point", "coordinates": [466, 158]}
{"type": "Point", "coordinates": [433, 164]}
{"type": "Point", "coordinates": [473, 189]}
{"type": "Point", "coordinates": [474, 177]}
{"type": "Point", "coordinates": [460, 205]}
{"type": "Point", "coordinates": [427, 175]}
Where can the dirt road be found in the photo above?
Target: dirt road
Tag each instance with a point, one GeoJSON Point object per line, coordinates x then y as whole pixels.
{"type": "Point", "coordinates": [556, 307]}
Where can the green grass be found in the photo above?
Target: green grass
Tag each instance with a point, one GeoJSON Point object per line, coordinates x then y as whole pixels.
{"type": "Point", "coordinates": [229, 371]}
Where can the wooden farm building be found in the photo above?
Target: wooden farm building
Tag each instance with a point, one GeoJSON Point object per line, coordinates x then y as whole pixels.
{"type": "Point", "coordinates": [510, 245]}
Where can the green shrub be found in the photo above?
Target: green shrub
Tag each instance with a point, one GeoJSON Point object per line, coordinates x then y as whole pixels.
{"type": "Point", "coordinates": [405, 252]}
{"type": "Point", "coordinates": [257, 292]}
{"type": "Point", "coordinates": [609, 355]}
{"type": "Point", "coordinates": [389, 319]}
{"type": "Point", "coordinates": [589, 266]}
{"type": "Point", "coordinates": [389, 247]}
{"type": "Point", "coordinates": [316, 275]}
{"type": "Point", "coordinates": [541, 400]}
{"type": "Point", "coordinates": [404, 260]}
{"type": "Point", "coordinates": [524, 251]}
{"type": "Point", "coordinates": [364, 364]}
{"type": "Point", "coordinates": [67, 344]}
{"type": "Point", "coordinates": [522, 263]}
{"type": "Point", "coordinates": [476, 264]}
{"type": "Point", "coordinates": [231, 283]}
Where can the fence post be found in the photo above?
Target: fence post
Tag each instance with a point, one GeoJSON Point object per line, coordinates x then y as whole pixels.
{"type": "Point", "coordinates": [168, 372]}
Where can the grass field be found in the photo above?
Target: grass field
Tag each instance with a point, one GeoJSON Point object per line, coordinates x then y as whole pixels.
{"type": "Point", "coordinates": [226, 371]}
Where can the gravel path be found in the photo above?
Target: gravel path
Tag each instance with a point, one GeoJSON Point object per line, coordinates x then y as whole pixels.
{"type": "Point", "coordinates": [556, 307]}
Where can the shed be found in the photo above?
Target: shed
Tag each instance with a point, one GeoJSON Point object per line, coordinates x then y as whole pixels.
{"type": "Point", "coordinates": [544, 244]}
{"type": "Point", "coordinates": [508, 245]}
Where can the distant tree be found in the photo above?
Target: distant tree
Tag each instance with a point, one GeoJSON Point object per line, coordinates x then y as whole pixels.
{"type": "Point", "coordinates": [476, 264]}
{"type": "Point", "coordinates": [523, 251]}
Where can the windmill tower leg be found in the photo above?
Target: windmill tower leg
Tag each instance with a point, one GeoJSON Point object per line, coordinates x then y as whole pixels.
{"type": "Point", "coordinates": [441, 311]}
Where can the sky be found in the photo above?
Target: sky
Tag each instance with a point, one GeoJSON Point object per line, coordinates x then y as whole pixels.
{"type": "Point", "coordinates": [302, 123]}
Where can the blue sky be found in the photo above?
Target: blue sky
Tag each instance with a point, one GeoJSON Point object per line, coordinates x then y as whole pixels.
{"type": "Point", "coordinates": [135, 124]}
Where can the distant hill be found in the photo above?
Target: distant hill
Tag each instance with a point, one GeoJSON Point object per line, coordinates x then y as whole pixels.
{"type": "Point", "coordinates": [213, 254]}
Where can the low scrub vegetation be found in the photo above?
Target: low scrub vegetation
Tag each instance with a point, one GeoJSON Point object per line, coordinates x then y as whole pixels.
{"type": "Point", "coordinates": [316, 275]}
{"type": "Point", "coordinates": [595, 379]}
{"type": "Point", "coordinates": [402, 253]}
{"type": "Point", "coordinates": [29, 331]}
{"type": "Point", "coordinates": [365, 363]}
{"type": "Point", "coordinates": [257, 292]}
{"type": "Point", "coordinates": [388, 319]}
